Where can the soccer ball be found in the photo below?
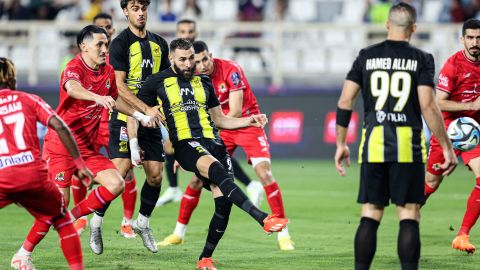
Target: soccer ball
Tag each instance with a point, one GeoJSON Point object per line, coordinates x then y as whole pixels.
{"type": "Point", "coordinates": [464, 133]}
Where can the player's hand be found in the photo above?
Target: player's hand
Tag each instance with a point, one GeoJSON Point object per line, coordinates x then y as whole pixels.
{"type": "Point", "coordinates": [106, 101]}
{"type": "Point", "coordinates": [258, 120]}
{"type": "Point", "coordinates": [176, 166]}
{"type": "Point", "coordinates": [450, 161]}
{"type": "Point", "coordinates": [342, 153]}
{"type": "Point", "coordinates": [86, 177]}
{"type": "Point", "coordinates": [155, 113]}
{"type": "Point", "coordinates": [136, 154]}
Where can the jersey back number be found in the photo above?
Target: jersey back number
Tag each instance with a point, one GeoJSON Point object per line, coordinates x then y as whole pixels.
{"type": "Point", "coordinates": [397, 85]}
{"type": "Point", "coordinates": [17, 120]}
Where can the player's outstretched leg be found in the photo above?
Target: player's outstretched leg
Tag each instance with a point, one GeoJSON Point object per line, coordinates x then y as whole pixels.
{"type": "Point", "coordinates": [274, 198]}
{"type": "Point", "coordinates": [173, 192]}
{"type": "Point", "coordinates": [218, 225]}
{"type": "Point", "coordinates": [79, 193]}
{"type": "Point", "coordinates": [188, 204]}
{"type": "Point", "coordinates": [254, 188]}
{"type": "Point", "coordinates": [69, 242]}
{"type": "Point", "coordinates": [129, 197]}
{"type": "Point", "coordinates": [23, 258]}
{"type": "Point", "coordinates": [365, 243]}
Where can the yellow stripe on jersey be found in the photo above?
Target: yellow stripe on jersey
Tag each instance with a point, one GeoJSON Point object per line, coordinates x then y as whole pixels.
{"type": "Point", "coordinates": [404, 144]}
{"type": "Point", "coordinates": [156, 56]}
{"type": "Point", "coordinates": [375, 145]}
{"type": "Point", "coordinates": [362, 144]}
{"type": "Point", "coordinates": [199, 94]}
{"type": "Point", "coordinates": [424, 147]}
{"type": "Point", "coordinates": [122, 117]}
{"type": "Point", "coordinates": [135, 72]}
{"type": "Point", "coordinates": [175, 99]}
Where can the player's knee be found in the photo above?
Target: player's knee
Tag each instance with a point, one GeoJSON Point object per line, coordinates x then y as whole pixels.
{"type": "Point", "coordinates": [115, 186]}
{"type": "Point", "coordinates": [196, 183]}
{"type": "Point", "coordinates": [155, 180]}
{"type": "Point", "coordinates": [218, 174]}
{"type": "Point", "coordinates": [264, 174]}
{"type": "Point", "coordinates": [433, 181]}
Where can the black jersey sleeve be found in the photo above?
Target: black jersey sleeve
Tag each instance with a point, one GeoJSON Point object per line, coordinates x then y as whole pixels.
{"type": "Point", "coordinates": [355, 73]}
{"type": "Point", "coordinates": [118, 55]}
{"type": "Point", "coordinates": [208, 86]}
{"type": "Point", "coordinates": [148, 92]}
{"type": "Point", "coordinates": [427, 71]}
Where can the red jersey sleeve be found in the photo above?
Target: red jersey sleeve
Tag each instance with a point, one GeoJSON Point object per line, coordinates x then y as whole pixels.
{"type": "Point", "coordinates": [235, 79]}
{"type": "Point", "coordinates": [446, 78]}
{"type": "Point", "coordinates": [42, 109]}
{"type": "Point", "coordinates": [113, 85]}
{"type": "Point", "coordinates": [72, 72]}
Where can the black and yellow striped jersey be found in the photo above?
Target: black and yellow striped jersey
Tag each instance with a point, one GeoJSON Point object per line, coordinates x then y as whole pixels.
{"type": "Point", "coordinates": [389, 74]}
{"type": "Point", "coordinates": [138, 57]}
{"type": "Point", "coordinates": [184, 103]}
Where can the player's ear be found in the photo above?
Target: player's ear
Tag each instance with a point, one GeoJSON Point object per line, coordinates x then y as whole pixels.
{"type": "Point", "coordinates": [414, 28]}
{"type": "Point", "coordinates": [170, 57]}
{"type": "Point", "coordinates": [210, 55]}
{"type": "Point", "coordinates": [387, 25]}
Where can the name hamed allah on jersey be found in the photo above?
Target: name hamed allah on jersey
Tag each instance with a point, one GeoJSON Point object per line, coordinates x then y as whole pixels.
{"type": "Point", "coordinates": [392, 64]}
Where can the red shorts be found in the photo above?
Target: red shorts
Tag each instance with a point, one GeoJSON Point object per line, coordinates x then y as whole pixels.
{"type": "Point", "coordinates": [435, 156]}
{"type": "Point", "coordinates": [61, 168]}
{"type": "Point", "coordinates": [102, 139]}
{"type": "Point", "coordinates": [41, 197]}
{"type": "Point", "coordinates": [253, 140]}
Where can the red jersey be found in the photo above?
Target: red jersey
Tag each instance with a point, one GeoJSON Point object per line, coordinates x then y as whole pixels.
{"type": "Point", "coordinates": [228, 77]}
{"type": "Point", "coordinates": [19, 145]}
{"type": "Point", "coordinates": [82, 116]}
{"type": "Point", "coordinates": [460, 78]}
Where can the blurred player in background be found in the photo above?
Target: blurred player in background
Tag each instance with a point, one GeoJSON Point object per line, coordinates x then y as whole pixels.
{"type": "Point", "coordinates": [129, 195]}
{"type": "Point", "coordinates": [87, 87]}
{"type": "Point", "coordinates": [187, 29]}
{"type": "Point", "coordinates": [192, 114]}
{"type": "Point", "coordinates": [20, 155]}
{"type": "Point", "coordinates": [396, 82]}
{"type": "Point", "coordinates": [237, 100]}
{"type": "Point", "coordinates": [457, 96]}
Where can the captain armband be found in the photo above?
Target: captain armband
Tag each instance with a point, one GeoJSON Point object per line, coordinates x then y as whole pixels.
{"type": "Point", "coordinates": [343, 117]}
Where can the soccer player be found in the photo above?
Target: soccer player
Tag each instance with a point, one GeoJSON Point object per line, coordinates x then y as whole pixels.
{"type": "Point", "coordinates": [396, 83]}
{"type": "Point", "coordinates": [87, 87]}
{"type": "Point", "coordinates": [20, 155]}
{"type": "Point", "coordinates": [135, 54]}
{"type": "Point", "coordinates": [187, 29]}
{"type": "Point", "coordinates": [190, 104]}
{"type": "Point", "coordinates": [237, 100]}
{"type": "Point", "coordinates": [457, 96]}
{"type": "Point", "coordinates": [129, 195]}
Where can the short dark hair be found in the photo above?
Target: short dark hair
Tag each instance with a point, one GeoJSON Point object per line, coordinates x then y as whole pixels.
{"type": "Point", "coordinates": [102, 15]}
{"type": "Point", "coordinates": [404, 7]}
{"type": "Point", "coordinates": [180, 43]}
{"type": "Point", "coordinates": [87, 33]}
{"type": "Point", "coordinates": [470, 24]}
{"type": "Point", "coordinates": [187, 21]}
{"type": "Point", "coordinates": [124, 3]}
{"type": "Point", "coordinates": [200, 46]}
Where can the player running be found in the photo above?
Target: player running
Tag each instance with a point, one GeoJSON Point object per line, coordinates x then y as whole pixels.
{"type": "Point", "coordinates": [189, 103]}
{"type": "Point", "coordinates": [396, 83]}
{"type": "Point", "coordinates": [20, 155]}
{"type": "Point", "coordinates": [457, 96]}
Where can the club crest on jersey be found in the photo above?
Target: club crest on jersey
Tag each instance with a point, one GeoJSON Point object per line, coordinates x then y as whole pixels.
{"type": "Point", "coordinates": [60, 176]}
{"type": "Point", "coordinates": [235, 77]}
{"type": "Point", "coordinates": [381, 115]}
{"type": "Point", "coordinates": [222, 88]}
{"type": "Point", "coordinates": [123, 134]}
{"type": "Point", "coordinates": [123, 147]}
{"type": "Point", "coordinates": [107, 83]}
{"type": "Point", "coordinates": [436, 167]}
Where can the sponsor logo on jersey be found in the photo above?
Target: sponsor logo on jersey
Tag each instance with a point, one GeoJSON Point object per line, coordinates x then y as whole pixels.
{"type": "Point", "coordinates": [71, 74]}
{"type": "Point", "coordinates": [391, 117]}
{"type": "Point", "coordinates": [123, 147]}
{"type": "Point", "coordinates": [186, 91]}
{"type": "Point", "coordinates": [235, 77]}
{"type": "Point", "coordinates": [194, 144]}
{"type": "Point", "coordinates": [443, 80]}
{"type": "Point", "coordinates": [147, 63]}
{"type": "Point", "coordinates": [381, 115]}
{"type": "Point", "coordinates": [17, 159]}
{"type": "Point", "coordinates": [60, 176]}
{"type": "Point", "coordinates": [107, 83]}
{"type": "Point", "coordinates": [123, 134]}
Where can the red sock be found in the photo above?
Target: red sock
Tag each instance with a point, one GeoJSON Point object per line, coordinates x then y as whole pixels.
{"type": "Point", "coordinates": [35, 235]}
{"type": "Point", "coordinates": [79, 191]}
{"type": "Point", "coordinates": [274, 198]}
{"type": "Point", "coordinates": [473, 210]}
{"type": "Point", "coordinates": [129, 197]}
{"type": "Point", "coordinates": [429, 190]}
{"type": "Point", "coordinates": [69, 242]}
{"type": "Point", "coordinates": [95, 201]}
{"type": "Point", "coordinates": [188, 204]}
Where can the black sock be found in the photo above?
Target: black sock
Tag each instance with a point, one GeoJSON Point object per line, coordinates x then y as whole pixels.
{"type": "Point", "coordinates": [148, 198]}
{"type": "Point", "coordinates": [408, 244]}
{"type": "Point", "coordinates": [217, 227]}
{"type": "Point", "coordinates": [239, 173]}
{"type": "Point", "coordinates": [219, 176]}
{"type": "Point", "coordinates": [365, 243]}
{"type": "Point", "coordinates": [171, 176]}
{"type": "Point", "coordinates": [101, 212]}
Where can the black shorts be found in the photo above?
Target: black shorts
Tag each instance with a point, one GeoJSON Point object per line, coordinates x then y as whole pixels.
{"type": "Point", "coordinates": [401, 182]}
{"type": "Point", "coordinates": [187, 153]}
{"type": "Point", "coordinates": [149, 140]}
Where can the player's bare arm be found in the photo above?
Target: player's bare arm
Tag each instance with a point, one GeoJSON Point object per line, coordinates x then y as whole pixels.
{"type": "Point", "coordinates": [131, 99]}
{"type": "Point", "coordinates": [226, 122]}
{"type": "Point", "coordinates": [68, 141]}
{"type": "Point", "coordinates": [433, 117]}
{"type": "Point", "coordinates": [447, 105]}
{"type": "Point", "coordinates": [345, 104]}
{"type": "Point", "coordinates": [235, 103]}
{"type": "Point", "coordinates": [122, 106]}
{"type": "Point", "coordinates": [77, 91]}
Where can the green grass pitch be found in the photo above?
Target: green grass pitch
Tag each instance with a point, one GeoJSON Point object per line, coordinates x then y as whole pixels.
{"type": "Point", "coordinates": [323, 212]}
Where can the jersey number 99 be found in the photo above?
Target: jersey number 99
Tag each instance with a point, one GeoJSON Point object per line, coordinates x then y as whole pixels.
{"type": "Point", "coordinates": [398, 85]}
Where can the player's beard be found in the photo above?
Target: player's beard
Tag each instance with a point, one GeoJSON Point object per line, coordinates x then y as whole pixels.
{"type": "Point", "coordinates": [185, 74]}
{"type": "Point", "coordinates": [476, 53]}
